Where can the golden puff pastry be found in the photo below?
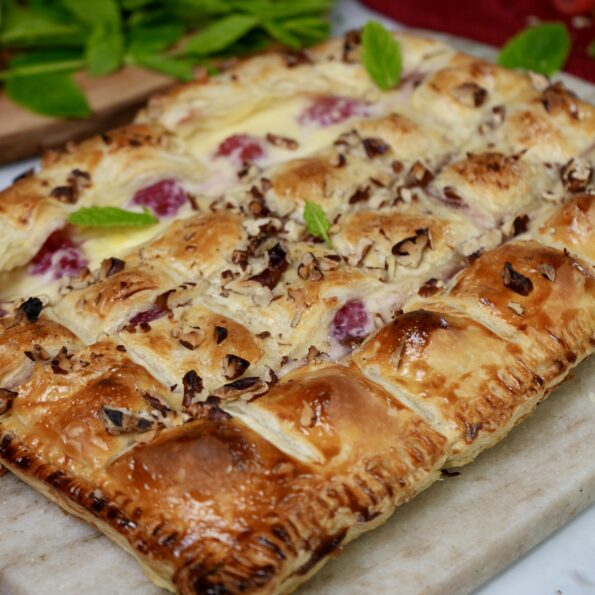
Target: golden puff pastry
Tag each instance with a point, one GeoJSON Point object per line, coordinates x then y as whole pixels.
{"type": "Point", "coordinates": [232, 397]}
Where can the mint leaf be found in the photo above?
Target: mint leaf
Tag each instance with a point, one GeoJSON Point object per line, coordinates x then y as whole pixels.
{"type": "Point", "coordinates": [543, 48]}
{"type": "Point", "coordinates": [381, 55]}
{"type": "Point", "coordinates": [53, 94]}
{"type": "Point", "coordinates": [154, 37]}
{"type": "Point", "coordinates": [220, 34]}
{"type": "Point", "coordinates": [310, 30]}
{"type": "Point", "coordinates": [43, 62]}
{"type": "Point", "coordinates": [281, 9]}
{"type": "Point", "coordinates": [316, 222]}
{"type": "Point", "coordinates": [95, 13]}
{"type": "Point", "coordinates": [25, 27]}
{"type": "Point", "coordinates": [111, 217]}
{"type": "Point", "coordinates": [105, 50]}
{"type": "Point", "coordinates": [175, 67]}
{"type": "Point", "coordinates": [280, 33]}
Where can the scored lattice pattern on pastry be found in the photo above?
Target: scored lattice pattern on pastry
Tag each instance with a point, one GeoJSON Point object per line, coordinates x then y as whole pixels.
{"type": "Point", "coordinates": [232, 399]}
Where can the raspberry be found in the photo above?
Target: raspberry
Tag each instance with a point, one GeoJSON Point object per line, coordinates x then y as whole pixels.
{"type": "Point", "coordinates": [60, 255]}
{"type": "Point", "coordinates": [326, 111]}
{"type": "Point", "coordinates": [165, 198]}
{"type": "Point", "coordinates": [241, 148]}
{"type": "Point", "coordinates": [350, 322]}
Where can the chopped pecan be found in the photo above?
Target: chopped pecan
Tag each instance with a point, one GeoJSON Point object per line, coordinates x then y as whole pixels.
{"type": "Point", "coordinates": [190, 337]}
{"type": "Point", "coordinates": [374, 147]}
{"type": "Point", "coordinates": [520, 224]}
{"type": "Point", "coordinates": [65, 194]}
{"type": "Point", "coordinates": [470, 94]}
{"type": "Point", "coordinates": [110, 266]}
{"type": "Point", "coordinates": [220, 333]}
{"type": "Point", "coordinates": [282, 141]}
{"type": "Point", "coordinates": [208, 409]}
{"type": "Point", "coordinates": [419, 175]}
{"type": "Point", "coordinates": [409, 251]}
{"type": "Point", "coordinates": [360, 195]}
{"type": "Point", "coordinates": [517, 308]}
{"type": "Point", "coordinates": [576, 175]}
{"type": "Point", "coordinates": [61, 363]}
{"type": "Point", "coordinates": [278, 264]}
{"type": "Point", "coordinates": [37, 354]}
{"type": "Point", "coordinates": [6, 399]}
{"type": "Point", "coordinates": [245, 388]}
{"type": "Point", "coordinates": [157, 404]}
{"type": "Point", "coordinates": [193, 386]}
{"type": "Point", "coordinates": [548, 271]}
{"type": "Point", "coordinates": [351, 45]}
{"type": "Point", "coordinates": [515, 281]}
{"type": "Point", "coordinates": [556, 98]}
{"type": "Point", "coordinates": [451, 197]}
{"type": "Point", "coordinates": [309, 268]}
{"type": "Point", "coordinates": [234, 366]}
{"type": "Point", "coordinates": [119, 420]}
{"type": "Point", "coordinates": [430, 287]}
{"type": "Point", "coordinates": [31, 308]}
{"type": "Point", "coordinates": [293, 59]}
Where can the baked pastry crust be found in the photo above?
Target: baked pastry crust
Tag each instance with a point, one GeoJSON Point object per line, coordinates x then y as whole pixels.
{"type": "Point", "coordinates": [231, 399]}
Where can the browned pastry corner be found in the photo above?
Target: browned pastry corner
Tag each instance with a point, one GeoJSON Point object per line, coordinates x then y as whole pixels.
{"type": "Point", "coordinates": [229, 397]}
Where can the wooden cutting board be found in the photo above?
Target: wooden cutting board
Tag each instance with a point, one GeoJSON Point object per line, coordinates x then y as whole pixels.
{"type": "Point", "coordinates": [114, 100]}
{"type": "Point", "coordinates": [447, 541]}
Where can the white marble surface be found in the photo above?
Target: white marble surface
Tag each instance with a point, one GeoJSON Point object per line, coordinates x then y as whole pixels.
{"type": "Point", "coordinates": [449, 540]}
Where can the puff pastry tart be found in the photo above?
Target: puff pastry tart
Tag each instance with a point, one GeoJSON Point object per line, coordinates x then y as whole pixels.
{"type": "Point", "coordinates": [230, 398]}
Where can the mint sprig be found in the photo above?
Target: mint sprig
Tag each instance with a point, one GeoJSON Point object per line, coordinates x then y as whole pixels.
{"type": "Point", "coordinates": [542, 48]}
{"type": "Point", "coordinates": [111, 217]}
{"type": "Point", "coordinates": [168, 36]}
{"type": "Point", "coordinates": [381, 55]}
{"type": "Point", "coordinates": [316, 222]}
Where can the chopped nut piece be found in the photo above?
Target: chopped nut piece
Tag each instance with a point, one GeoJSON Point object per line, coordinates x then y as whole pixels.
{"type": "Point", "coordinates": [309, 269]}
{"type": "Point", "coordinates": [119, 420]}
{"type": "Point", "coordinates": [37, 354]}
{"type": "Point", "coordinates": [220, 334]}
{"type": "Point", "coordinates": [360, 195]}
{"type": "Point", "coordinates": [548, 271]}
{"type": "Point", "coordinates": [576, 175]}
{"type": "Point", "coordinates": [520, 224]}
{"type": "Point", "coordinates": [282, 141]}
{"type": "Point", "coordinates": [191, 337]}
{"type": "Point", "coordinates": [234, 366]}
{"type": "Point", "coordinates": [516, 281]}
{"type": "Point", "coordinates": [307, 417]}
{"type": "Point", "coordinates": [110, 266]}
{"type": "Point", "coordinates": [556, 98]}
{"type": "Point", "coordinates": [157, 404]}
{"type": "Point", "coordinates": [375, 147]}
{"type": "Point", "coordinates": [516, 308]}
{"type": "Point", "coordinates": [193, 386]}
{"type": "Point", "coordinates": [470, 94]}
{"type": "Point", "coordinates": [430, 287]}
{"type": "Point", "coordinates": [61, 363]}
{"type": "Point", "coordinates": [419, 175]}
{"type": "Point", "coordinates": [409, 251]}
{"type": "Point", "coordinates": [351, 46]}
{"type": "Point", "coordinates": [6, 399]}
{"type": "Point", "coordinates": [208, 409]}
{"type": "Point", "coordinates": [245, 388]}
{"type": "Point", "coordinates": [31, 308]}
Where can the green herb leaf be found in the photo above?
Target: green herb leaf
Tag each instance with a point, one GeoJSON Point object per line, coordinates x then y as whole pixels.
{"type": "Point", "coordinates": [154, 37]}
{"type": "Point", "coordinates": [310, 30]}
{"type": "Point", "coordinates": [54, 95]}
{"type": "Point", "coordinates": [175, 67]}
{"type": "Point", "coordinates": [381, 55]}
{"type": "Point", "coordinates": [316, 222]}
{"type": "Point", "coordinates": [280, 33]}
{"type": "Point", "coordinates": [282, 9]}
{"type": "Point", "coordinates": [220, 34]}
{"type": "Point", "coordinates": [543, 48]}
{"type": "Point", "coordinates": [43, 62]}
{"type": "Point", "coordinates": [96, 13]}
{"type": "Point", "coordinates": [111, 217]}
{"type": "Point", "coordinates": [25, 27]}
{"type": "Point", "coordinates": [591, 49]}
{"type": "Point", "coordinates": [105, 50]}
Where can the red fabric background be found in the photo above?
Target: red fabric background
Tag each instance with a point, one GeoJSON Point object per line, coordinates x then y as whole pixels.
{"type": "Point", "coordinates": [490, 21]}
